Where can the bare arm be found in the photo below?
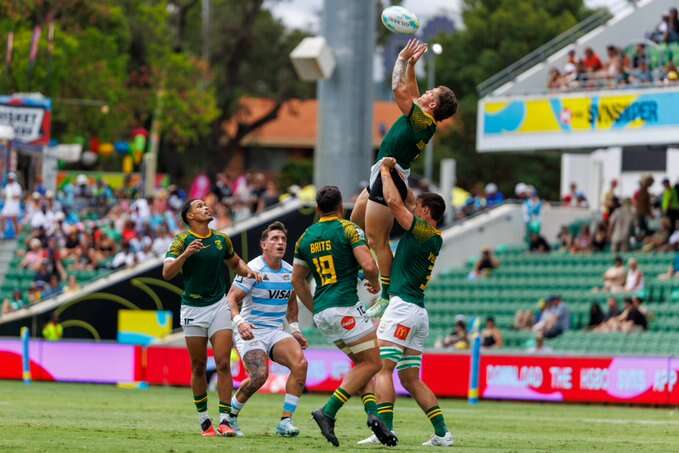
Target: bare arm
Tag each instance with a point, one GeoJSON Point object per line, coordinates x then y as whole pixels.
{"type": "Point", "coordinates": [293, 324]}
{"type": "Point", "coordinates": [367, 263]}
{"type": "Point", "coordinates": [299, 282]}
{"type": "Point", "coordinates": [172, 267]}
{"type": "Point", "coordinates": [403, 78]}
{"type": "Point", "coordinates": [241, 268]}
{"type": "Point", "coordinates": [393, 197]}
{"type": "Point", "coordinates": [235, 299]}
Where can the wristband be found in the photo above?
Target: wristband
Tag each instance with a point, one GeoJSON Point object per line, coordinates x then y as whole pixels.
{"type": "Point", "coordinates": [238, 320]}
{"type": "Point", "coordinates": [293, 327]}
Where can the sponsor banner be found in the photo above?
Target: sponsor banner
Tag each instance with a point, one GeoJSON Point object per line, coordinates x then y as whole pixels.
{"type": "Point", "coordinates": [64, 361]}
{"type": "Point", "coordinates": [30, 117]}
{"type": "Point", "coordinates": [579, 120]}
{"type": "Point", "coordinates": [143, 327]}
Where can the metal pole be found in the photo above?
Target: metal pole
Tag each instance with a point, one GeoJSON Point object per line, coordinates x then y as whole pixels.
{"type": "Point", "coordinates": [151, 157]}
{"type": "Point", "coordinates": [205, 15]}
{"type": "Point", "coordinates": [447, 185]}
{"type": "Point", "coordinates": [429, 151]}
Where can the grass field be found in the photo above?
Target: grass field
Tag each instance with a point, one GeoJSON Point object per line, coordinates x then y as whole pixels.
{"type": "Point", "coordinates": [70, 417]}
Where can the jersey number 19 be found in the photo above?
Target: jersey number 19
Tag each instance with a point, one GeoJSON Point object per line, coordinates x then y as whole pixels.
{"type": "Point", "coordinates": [325, 267]}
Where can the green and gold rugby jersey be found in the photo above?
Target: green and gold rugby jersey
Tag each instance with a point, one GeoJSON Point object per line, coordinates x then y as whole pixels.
{"type": "Point", "coordinates": [415, 256]}
{"type": "Point", "coordinates": [204, 272]}
{"type": "Point", "coordinates": [408, 137]}
{"type": "Point", "coordinates": [327, 249]}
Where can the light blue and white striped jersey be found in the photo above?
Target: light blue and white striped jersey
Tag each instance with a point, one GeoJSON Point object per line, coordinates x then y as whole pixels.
{"type": "Point", "coordinates": [266, 303]}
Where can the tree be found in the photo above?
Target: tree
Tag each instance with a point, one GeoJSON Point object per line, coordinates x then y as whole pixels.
{"type": "Point", "coordinates": [496, 34]}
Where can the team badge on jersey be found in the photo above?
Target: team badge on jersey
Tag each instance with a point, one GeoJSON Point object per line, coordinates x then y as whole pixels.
{"type": "Point", "coordinates": [401, 332]}
{"type": "Point", "coordinates": [218, 244]}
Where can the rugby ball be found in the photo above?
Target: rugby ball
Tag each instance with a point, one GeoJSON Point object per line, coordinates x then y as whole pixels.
{"type": "Point", "coordinates": [397, 19]}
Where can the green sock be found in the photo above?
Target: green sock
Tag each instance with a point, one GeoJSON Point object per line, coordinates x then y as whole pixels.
{"type": "Point", "coordinates": [369, 403]}
{"type": "Point", "coordinates": [435, 415]}
{"type": "Point", "coordinates": [386, 412]}
{"type": "Point", "coordinates": [201, 402]}
{"type": "Point", "coordinates": [385, 281]}
{"type": "Point", "coordinates": [224, 407]}
{"type": "Point", "coordinates": [336, 401]}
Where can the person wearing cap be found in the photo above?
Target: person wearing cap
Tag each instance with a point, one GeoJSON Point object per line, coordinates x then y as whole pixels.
{"type": "Point", "coordinates": [493, 196]}
{"type": "Point", "coordinates": [555, 320]}
{"type": "Point", "coordinates": [12, 206]}
{"type": "Point", "coordinates": [532, 213]}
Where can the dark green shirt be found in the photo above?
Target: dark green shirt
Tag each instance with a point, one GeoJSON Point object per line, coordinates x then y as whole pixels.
{"type": "Point", "coordinates": [414, 261]}
{"type": "Point", "coordinates": [327, 249]}
{"type": "Point", "coordinates": [204, 272]}
{"type": "Point", "coordinates": [408, 137]}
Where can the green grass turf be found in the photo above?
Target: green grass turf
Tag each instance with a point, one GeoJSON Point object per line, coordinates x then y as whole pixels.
{"type": "Point", "coordinates": [72, 417]}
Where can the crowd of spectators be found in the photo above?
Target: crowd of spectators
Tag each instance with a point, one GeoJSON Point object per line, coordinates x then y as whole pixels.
{"type": "Point", "coordinates": [87, 228]}
{"type": "Point", "coordinates": [458, 338]}
{"type": "Point", "coordinates": [649, 61]}
{"type": "Point", "coordinates": [633, 317]}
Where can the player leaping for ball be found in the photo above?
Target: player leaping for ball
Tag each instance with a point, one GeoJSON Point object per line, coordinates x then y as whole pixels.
{"type": "Point", "coordinates": [201, 255]}
{"type": "Point", "coordinates": [332, 250]}
{"type": "Point", "coordinates": [259, 332]}
{"type": "Point", "coordinates": [404, 326]}
{"type": "Point", "coordinates": [406, 139]}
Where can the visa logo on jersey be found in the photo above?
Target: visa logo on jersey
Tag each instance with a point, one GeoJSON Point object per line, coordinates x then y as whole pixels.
{"type": "Point", "coordinates": [279, 293]}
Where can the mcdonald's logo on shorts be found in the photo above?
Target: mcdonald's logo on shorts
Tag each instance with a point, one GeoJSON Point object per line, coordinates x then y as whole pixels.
{"type": "Point", "coordinates": [401, 332]}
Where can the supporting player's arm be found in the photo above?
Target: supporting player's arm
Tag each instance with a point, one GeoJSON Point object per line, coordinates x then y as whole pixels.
{"type": "Point", "coordinates": [301, 286]}
{"type": "Point", "coordinates": [393, 198]}
{"type": "Point", "coordinates": [367, 262]}
{"type": "Point", "coordinates": [235, 299]}
{"type": "Point", "coordinates": [293, 323]}
{"type": "Point", "coordinates": [403, 78]}
{"type": "Point", "coordinates": [241, 268]}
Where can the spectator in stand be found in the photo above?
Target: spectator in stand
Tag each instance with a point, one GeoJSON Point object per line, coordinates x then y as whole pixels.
{"type": "Point", "coordinates": [600, 239]}
{"type": "Point", "coordinates": [162, 241]}
{"type": "Point", "coordinates": [611, 202]}
{"type": "Point", "coordinates": [555, 81]}
{"type": "Point", "coordinates": [493, 196]}
{"type": "Point", "coordinates": [124, 258]}
{"type": "Point", "coordinates": [538, 244]}
{"type": "Point", "coordinates": [72, 285]}
{"type": "Point", "coordinates": [620, 226]}
{"type": "Point", "coordinates": [640, 71]}
{"type": "Point", "coordinates": [613, 309]}
{"type": "Point", "coordinates": [642, 204]}
{"type": "Point", "coordinates": [596, 316]}
{"type": "Point", "coordinates": [43, 273]}
{"type": "Point", "coordinates": [591, 62]}
{"type": "Point", "coordinates": [53, 288]}
{"type": "Point", "coordinates": [672, 271]}
{"type": "Point", "coordinates": [659, 241]}
{"type": "Point", "coordinates": [574, 197]}
{"type": "Point", "coordinates": [613, 71]}
{"type": "Point", "coordinates": [672, 32]}
{"type": "Point", "coordinates": [477, 201]}
{"type": "Point", "coordinates": [635, 319]}
{"type": "Point", "coordinates": [270, 197]}
{"type": "Point", "coordinates": [491, 337]}
{"type": "Point", "coordinates": [458, 338]}
{"type": "Point", "coordinates": [615, 276]}
{"type": "Point", "coordinates": [565, 238]}
{"type": "Point", "coordinates": [532, 213]}
{"type": "Point", "coordinates": [670, 202]}
{"type": "Point", "coordinates": [670, 73]}
{"type": "Point", "coordinates": [521, 191]}
{"type": "Point", "coordinates": [658, 34]}
{"type": "Point", "coordinates": [635, 278]}
{"type": "Point", "coordinates": [570, 69]}
{"type": "Point", "coordinates": [555, 320]}
{"type": "Point", "coordinates": [583, 243]}
{"type": "Point", "coordinates": [484, 266]}
{"type": "Point", "coordinates": [34, 257]}
{"type": "Point", "coordinates": [12, 207]}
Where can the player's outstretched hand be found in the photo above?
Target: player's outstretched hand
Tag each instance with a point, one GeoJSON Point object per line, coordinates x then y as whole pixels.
{"type": "Point", "coordinates": [420, 50]}
{"type": "Point", "coordinates": [300, 339]}
{"type": "Point", "coordinates": [409, 50]}
{"type": "Point", "coordinates": [194, 247]}
{"type": "Point", "coordinates": [245, 331]}
{"type": "Point", "coordinates": [254, 275]}
{"type": "Point", "coordinates": [389, 162]}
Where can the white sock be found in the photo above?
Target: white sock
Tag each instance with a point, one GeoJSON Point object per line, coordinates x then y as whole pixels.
{"type": "Point", "coordinates": [203, 416]}
{"type": "Point", "coordinates": [223, 416]}
{"type": "Point", "coordinates": [290, 404]}
{"type": "Point", "coordinates": [236, 406]}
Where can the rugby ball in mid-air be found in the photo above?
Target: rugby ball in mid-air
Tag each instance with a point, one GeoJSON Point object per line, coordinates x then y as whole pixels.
{"type": "Point", "coordinates": [399, 20]}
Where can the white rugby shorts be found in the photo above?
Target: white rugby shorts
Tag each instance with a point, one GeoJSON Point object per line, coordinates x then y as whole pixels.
{"type": "Point", "coordinates": [206, 321]}
{"type": "Point", "coordinates": [405, 324]}
{"type": "Point", "coordinates": [346, 324]}
{"type": "Point", "coordinates": [264, 340]}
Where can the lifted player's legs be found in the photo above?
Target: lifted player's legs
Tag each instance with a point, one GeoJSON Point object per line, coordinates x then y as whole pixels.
{"type": "Point", "coordinates": [378, 223]}
{"type": "Point", "coordinates": [221, 345]}
{"type": "Point", "coordinates": [358, 212]}
{"type": "Point", "coordinates": [289, 353]}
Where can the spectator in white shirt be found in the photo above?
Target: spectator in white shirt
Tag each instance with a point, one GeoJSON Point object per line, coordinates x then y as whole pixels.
{"type": "Point", "coordinates": [162, 242]}
{"type": "Point", "coordinates": [635, 278]}
{"type": "Point", "coordinates": [12, 206]}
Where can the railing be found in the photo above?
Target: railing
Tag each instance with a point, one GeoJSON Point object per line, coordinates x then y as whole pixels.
{"type": "Point", "coordinates": [548, 49]}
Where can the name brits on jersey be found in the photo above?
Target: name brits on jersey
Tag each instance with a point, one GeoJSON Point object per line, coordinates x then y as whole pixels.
{"type": "Point", "coordinates": [320, 246]}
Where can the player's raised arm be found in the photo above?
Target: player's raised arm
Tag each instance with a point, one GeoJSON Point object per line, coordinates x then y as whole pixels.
{"type": "Point", "coordinates": [177, 256]}
{"type": "Point", "coordinates": [391, 195]}
{"type": "Point", "coordinates": [403, 78]}
{"type": "Point", "coordinates": [241, 268]}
